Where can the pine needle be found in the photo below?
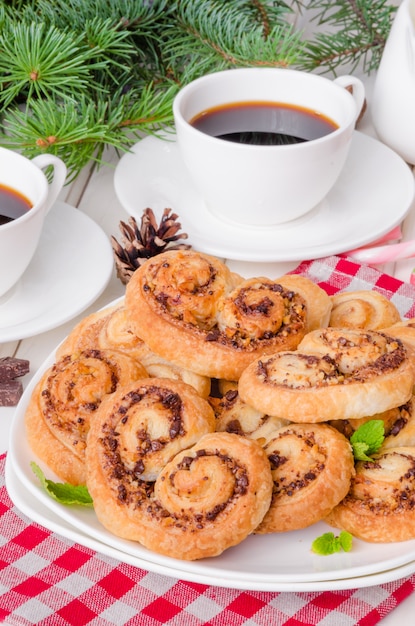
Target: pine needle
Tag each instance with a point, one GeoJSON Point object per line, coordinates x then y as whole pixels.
{"type": "Point", "coordinates": [79, 75]}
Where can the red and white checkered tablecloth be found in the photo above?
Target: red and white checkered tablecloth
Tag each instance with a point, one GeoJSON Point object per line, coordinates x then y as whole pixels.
{"type": "Point", "coordinates": [336, 273]}
{"type": "Point", "coordinates": [48, 580]}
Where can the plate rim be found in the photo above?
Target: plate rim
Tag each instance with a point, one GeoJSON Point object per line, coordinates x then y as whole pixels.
{"type": "Point", "coordinates": [72, 533]}
{"type": "Point", "coordinates": [270, 581]}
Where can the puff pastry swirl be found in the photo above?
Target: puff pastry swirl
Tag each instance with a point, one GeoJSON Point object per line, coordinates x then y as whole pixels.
{"type": "Point", "coordinates": [191, 310]}
{"type": "Point", "coordinates": [65, 401]}
{"type": "Point", "coordinates": [399, 425]}
{"type": "Point", "coordinates": [110, 329]}
{"type": "Point", "coordinates": [380, 506]}
{"type": "Point", "coordinates": [364, 309]}
{"type": "Point", "coordinates": [235, 416]}
{"type": "Point", "coordinates": [154, 419]}
{"type": "Point", "coordinates": [353, 349]}
{"type": "Point", "coordinates": [333, 375]}
{"type": "Point", "coordinates": [403, 330]}
{"type": "Point", "coordinates": [312, 466]}
{"type": "Point", "coordinates": [206, 499]}
{"type": "Point", "coordinates": [319, 303]}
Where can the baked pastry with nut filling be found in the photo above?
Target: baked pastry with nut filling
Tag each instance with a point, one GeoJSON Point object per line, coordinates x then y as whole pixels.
{"type": "Point", "coordinates": [190, 309]}
{"type": "Point", "coordinates": [380, 506]}
{"type": "Point", "coordinates": [334, 374]}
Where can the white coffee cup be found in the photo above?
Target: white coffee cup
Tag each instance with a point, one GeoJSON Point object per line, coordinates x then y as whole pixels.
{"type": "Point", "coordinates": [19, 238]}
{"type": "Point", "coordinates": [265, 185]}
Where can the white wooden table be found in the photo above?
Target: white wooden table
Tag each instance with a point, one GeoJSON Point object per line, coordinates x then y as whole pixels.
{"type": "Point", "coordinates": [93, 193]}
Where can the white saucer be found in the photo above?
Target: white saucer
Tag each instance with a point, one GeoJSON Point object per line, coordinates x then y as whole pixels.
{"type": "Point", "coordinates": [70, 269]}
{"type": "Point", "coordinates": [374, 193]}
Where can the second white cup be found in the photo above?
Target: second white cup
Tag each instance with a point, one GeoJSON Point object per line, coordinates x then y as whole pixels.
{"type": "Point", "coordinates": [19, 237]}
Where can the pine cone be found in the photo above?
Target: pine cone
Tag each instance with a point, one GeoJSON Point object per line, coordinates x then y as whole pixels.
{"type": "Point", "coordinates": [139, 244]}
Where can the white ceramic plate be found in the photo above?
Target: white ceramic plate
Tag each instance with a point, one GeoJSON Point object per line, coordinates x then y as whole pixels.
{"type": "Point", "coordinates": [372, 195]}
{"type": "Point", "coordinates": [264, 562]}
{"type": "Point", "coordinates": [70, 269]}
{"type": "Point", "coordinates": [29, 504]}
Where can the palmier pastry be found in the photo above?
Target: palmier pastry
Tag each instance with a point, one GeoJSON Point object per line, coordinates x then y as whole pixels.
{"type": "Point", "coordinates": [399, 425]}
{"type": "Point", "coordinates": [157, 367]}
{"type": "Point", "coordinates": [65, 401]}
{"type": "Point", "coordinates": [235, 416]}
{"type": "Point", "coordinates": [154, 419]}
{"type": "Point", "coordinates": [365, 309]}
{"type": "Point", "coordinates": [311, 465]}
{"type": "Point", "coordinates": [380, 506]}
{"type": "Point", "coordinates": [186, 284]}
{"type": "Point", "coordinates": [224, 386]}
{"type": "Point", "coordinates": [187, 308]}
{"type": "Point", "coordinates": [97, 331]}
{"type": "Point", "coordinates": [333, 375]}
{"type": "Point", "coordinates": [110, 329]}
{"type": "Point", "coordinates": [207, 499]}
{"type": "Point", "coordinates": [350, 348]}
{"type": "Point", "coordinates": [403, 330]}
{"type": "Point", "coordinates": [318, 302]}
{"type": "Point", "coordinates": [401, 430]}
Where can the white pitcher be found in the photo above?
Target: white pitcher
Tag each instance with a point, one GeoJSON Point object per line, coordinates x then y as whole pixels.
{"type": "Point", "coordinates": [393, 105]}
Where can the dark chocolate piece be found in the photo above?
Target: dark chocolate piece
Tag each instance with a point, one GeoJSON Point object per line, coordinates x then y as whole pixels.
{"type": "Point", "coordinates": [11, 367]}
{"type": "Point", "coordinates": [10, 392]}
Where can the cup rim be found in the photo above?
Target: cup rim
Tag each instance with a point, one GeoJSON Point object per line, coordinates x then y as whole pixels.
{"type": "Point", "coordinates": [43, 191]}
{"type": "Point", "coordinates": [184, 92]}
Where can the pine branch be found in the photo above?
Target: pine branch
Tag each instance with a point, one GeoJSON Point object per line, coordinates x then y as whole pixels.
{"type": "Point", "coordinates": [79, 75]}
{"type": "Point", "coordinates": [36, 61]}
{"type": "Point", "coordinates": [217, 35]}
{"type": "Point", "coordinates": [358, 34]}
{"type": "Point", "coordinates": [79, 131]}
{"type": "Point", "coordinates": [140, 16]}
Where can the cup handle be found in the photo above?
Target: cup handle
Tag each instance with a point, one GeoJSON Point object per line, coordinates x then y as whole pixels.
{"type": "Point", "coordinates": [357, 90]}
{"type": "Point", "coordinates": [59, 176]}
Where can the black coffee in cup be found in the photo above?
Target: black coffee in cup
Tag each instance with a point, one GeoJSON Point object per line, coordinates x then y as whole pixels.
{"type": "Point", "coordinates": [13, 204]}
{"type": "Point", "coordinates": [263, 123]}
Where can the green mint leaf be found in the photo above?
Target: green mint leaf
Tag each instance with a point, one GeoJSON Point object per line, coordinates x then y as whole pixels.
{"type": "Point", "coordinates": [346, 540]}
{"type": "Point", "coordinates": [65, 493]}
{"type": "Point", "coordinates": [372, 435]}
{"type": "Point", "coordinates": [328, 543]}
{"type": "Point", "coordinates": [359, 451]}
{"type": "Point", "coordinates": [325, 544]}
